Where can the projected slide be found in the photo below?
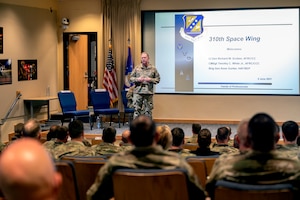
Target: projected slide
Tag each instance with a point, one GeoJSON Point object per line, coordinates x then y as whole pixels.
{"type": "Point", "coordinates": [252, 51]}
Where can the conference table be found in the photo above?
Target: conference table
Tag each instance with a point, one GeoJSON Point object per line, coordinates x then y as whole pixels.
{"type": "Point", "coordinates": [37, 102]}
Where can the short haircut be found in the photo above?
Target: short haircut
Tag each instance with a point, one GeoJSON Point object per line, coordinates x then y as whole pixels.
{"type": "Point", "coordinates": [18, 129]}
{"type": "Point", "coordinates": [290, 130]}
{"type": "Point", "coordinates": [52, 132]}
{"type": "Point", "coordinates": [178, 136]}
{"type": "Point", "coordinates": [204, 138]}
{"type": "Point", "coordinates": [31, 128]}
{"type": "Point", "coordinates": [62, 132]}
{"type": "Point", "coordinates": [196, 128]}
{"type": "Point", "coordinates": [222, 133]}
{"type": "Point", "coordinates": [262, 130]}
{"type": "Point", "coordinates": [165, 136]}
{"type": "Point", "coordinates": [109, 134]}
{"type": "Point", "coordinates": [76, 129]}
{"type": "Point", "coordinates": [142, 131]}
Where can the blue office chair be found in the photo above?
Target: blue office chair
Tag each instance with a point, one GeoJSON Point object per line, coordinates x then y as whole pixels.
{"type": "Point", "coordinates": [101, 106]}
{"type": "Point", "coordinates": [127, 110]}
{"type": "Point", "coordinates": [226, 190]}
{"type": "Point", "coordinates": [68, 105]}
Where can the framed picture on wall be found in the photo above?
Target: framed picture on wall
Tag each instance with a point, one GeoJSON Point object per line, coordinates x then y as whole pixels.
{"type": "Point", "coordinates": [1, 40]}
{"type": "Point", "coordinates": [5, 71]}
{"type": "Point", "coordinates": [27, 70]}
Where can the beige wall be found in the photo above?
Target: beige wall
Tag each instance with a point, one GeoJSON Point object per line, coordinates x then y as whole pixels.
{"type": "Point", "coordinates": [223, 108]}
{"type": "Point", "coordinates": [33, 32]}
{"type": "Point", "coordinates": [29, 33]}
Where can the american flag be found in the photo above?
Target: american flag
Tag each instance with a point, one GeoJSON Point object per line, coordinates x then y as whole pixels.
{"type": "Point", "coordinates": [110, 78]}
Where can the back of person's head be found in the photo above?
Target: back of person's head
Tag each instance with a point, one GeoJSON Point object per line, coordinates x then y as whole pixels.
{"type": "Point", "coordinates": [165, 136]}
{"type": "Point", "coordinates": [62, 133]}
{"type": "Point", "coordinates": [142, 131]}
{"type": "Point", "coordinates": [204, 138]}
{"type": "Point", "coordinates": [261, 132]}
{"type": "Point", "coordinates": [222, 134]}
{"type": "Point", "coordinates": [177, 136]}
{"type": "Point", "coordinates": [28, 172]}
{"type": "Point", "coordinates": [109, 134]}
{"type": "Point", "coordinates": [18, 129]}
{"type": "Point", "coordinates": [242, 133]}
{"type": "Point", "coordinates": [52, 132]}
{"type": "Point", "coordinates": [229, 130]}
{"type": "Point", "coordinates": [125, 136]}
{"type": "Point", "coordinates": [196, 128]}
{"type": "Point", "coordinates": [290, 130]}
{"type": "Point", "coordinates": [32, 129]}
{"type": "Point", "coordinates": [76, 129]}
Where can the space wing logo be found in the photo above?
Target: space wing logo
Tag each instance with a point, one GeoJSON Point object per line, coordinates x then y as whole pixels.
{"type": "Point", "coordinates": [193, 27]}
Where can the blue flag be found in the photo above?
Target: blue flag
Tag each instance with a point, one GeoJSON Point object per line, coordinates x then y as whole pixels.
{"type": "Point", "coordinates": [128, 70]}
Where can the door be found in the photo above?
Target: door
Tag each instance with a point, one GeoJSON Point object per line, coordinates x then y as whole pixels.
{"type": "Point", "coordinates": [80, 66]}
{"type": "Point", "coordinates": [78, 69]}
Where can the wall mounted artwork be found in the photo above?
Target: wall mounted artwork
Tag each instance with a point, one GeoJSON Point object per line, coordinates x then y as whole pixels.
{"type": "Point", "coordinates": [27, 70]}
{"type": "Point", "coordinates": [5, 71]}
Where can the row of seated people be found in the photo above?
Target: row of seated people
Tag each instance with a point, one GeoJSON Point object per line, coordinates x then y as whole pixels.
{"type": "Point", "coordinates": [256, 163]}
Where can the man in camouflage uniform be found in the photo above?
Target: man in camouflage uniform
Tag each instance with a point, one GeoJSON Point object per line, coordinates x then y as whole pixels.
{"type": "Point", "coordinates": [144, 76]}
{"type": "Point", "coordinates": [145, 155]}
{"type": "Point", "coordinates": [125, 144]}
{"type": "Point", "coordinates": [204, 141]}
{"type": "Point", "coordinates": [107, 145]}
{"type": "Point", "coordinates": [222, 138]}
{"type": "Point", "coordinates": [61, 137]}
{"type": "Point", "coordinates": [178, 141]}
{"type": "Point", "coordinates": [261, 165]}
{"type": "Point", "coordinates": [196, 128]}
{"type": "Point", "coordinates": [75, 147]}
{"type": "Point", "coordinates": [290, 131]}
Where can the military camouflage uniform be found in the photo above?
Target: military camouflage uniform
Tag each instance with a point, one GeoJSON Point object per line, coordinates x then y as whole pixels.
{"type": "Point", "coordinates": [106, 148]}
{"type": "Point", "coordinates": [143, 91]}
{"type": "Point", "coordinates": [50, 145]}
{"type": "Point", "coordinates": [224, 148]}
{"type": "Point", "coordinates": [126, 146]}
{"type": "Point", "coordinates": [254, 167]}
{"type": "Point", "coordinates": [143, 158]}
{"type": "Point", "coordinates": [72, 148]}
{"type": "Point", "coordinates": [182, 152]}
{"type": "Point", "coordinates": [193, 139]}
{"type": "Point", "coordinates": [129, 96]}
{"type": "Point", "coordinates": [289, 150]}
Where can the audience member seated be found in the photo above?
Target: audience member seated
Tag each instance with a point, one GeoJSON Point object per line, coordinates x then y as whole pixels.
{"type": "Point", "coordinates": [195, 130]}
{"type": "Point", "coordinates": [165, 136]}
{"type": "Point", "coordinates": [261, 165]}
{"type": "Point", "coordinates": [51, 136]}
{"type": "Point", "coordinates": [125, 144]}
{"type": "Point", "coordinates": [178, 141]}
{"type": "Point", "coordinates": [222, 139]}
{"type": "Point", "coordinates": [61, 137]}
{"type": "Point", "coordinates": [75, 147]}
{"type": "Point", "coordinates": [107, 145]}
{"type": "Point", "coordinates": [32, 129]}
{"type": "Point", "coordinates": [242, 136]}
{"type": "Point", "coordinates": [290, 131]}
{"type": "Point", "coordinates": [18, 129]}
{"type": "Point", "coordinates": [230, 141]}
{"type": "Point", "coordinates": [146, 155]}
{"type": "Point", "coordinates": [27, 172]}
{"type": "Point", "coordinates": [204, 141]}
